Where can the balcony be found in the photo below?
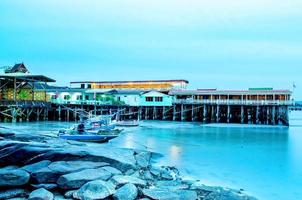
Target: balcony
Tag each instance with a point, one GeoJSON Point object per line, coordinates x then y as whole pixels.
{"type": "Point", "coordinates": [234, 102]}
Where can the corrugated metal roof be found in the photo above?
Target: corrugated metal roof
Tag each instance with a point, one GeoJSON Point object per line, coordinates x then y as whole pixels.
{"type": "Point", "coordinates": [225, 92]}
{"type": "Point", "coordinates": [127, 82]}
{"type": "Point", "coordinates": [27, 77]}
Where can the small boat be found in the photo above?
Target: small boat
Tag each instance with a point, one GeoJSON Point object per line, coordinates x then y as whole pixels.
{"type": "Point", "coordinates": [88, 137]}
{"type": "Point", "coordinates": [91, 131]}
{"type": "Point", "coordinates": [127, 123]}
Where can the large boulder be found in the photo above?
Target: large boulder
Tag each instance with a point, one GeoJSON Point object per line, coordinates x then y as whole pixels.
{"type": "Point", "coordinates": [95, 190]}
{"type": "Point", "coordinates": [50, 186]}
{"type": "Point", "coordinates": [27, 152]}
{"type": "Point", "coordinates": [112, 170]}
{"type": "Point", "coordinates": [41, 194]}
{"type": "Point", "coordinates": [36, 166]}
{"type": "Point", "coordinates": [165, 194]}
{"type": "Point", "coordinates": [13, 193]}
{"type": "Point", "coordinates": [78, 179]}
{"type": "Point", "coordinates": [119, 180]}
{"type": "Point", "coordinates": [14, 177]}
{"type": "Point", "coordinates": [53, 171]}
{"type": "Point", "coordinates": [127, 192]}
{"type": "Point", "coordinates": [64, 167]}
{"type": "Point", "coordinates": [45, 175]}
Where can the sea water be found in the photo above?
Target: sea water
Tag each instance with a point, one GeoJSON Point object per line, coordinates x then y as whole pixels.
{"type": "Point", "coordinates": [265, 161]}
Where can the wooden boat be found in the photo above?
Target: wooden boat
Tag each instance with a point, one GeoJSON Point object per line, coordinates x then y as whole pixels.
{"type": "Point", "coordinates": [127, 123]}
{"type": "Point", "coordinates": [88, 137]}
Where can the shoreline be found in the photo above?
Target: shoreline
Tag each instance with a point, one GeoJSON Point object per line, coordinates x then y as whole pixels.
{"type": "Point", "coordinates": [73, 170]}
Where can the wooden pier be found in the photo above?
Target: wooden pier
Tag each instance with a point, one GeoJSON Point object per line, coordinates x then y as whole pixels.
{"type": "Point", "coordinates": [181, 111]}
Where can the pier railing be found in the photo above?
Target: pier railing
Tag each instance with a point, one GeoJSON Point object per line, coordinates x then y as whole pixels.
{"type": "Point", "coordinates": [233, 102]}
{"type": "Point", "coordinates": [85, 102]}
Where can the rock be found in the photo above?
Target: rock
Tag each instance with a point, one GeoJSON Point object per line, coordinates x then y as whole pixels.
{"type": "Point", "coordinates": [137, 174]}
{"type": "Point", "coordinates": [46, 186]}
{"type": "Point", "coordinates": [13, 177]}
{"type": "Point", "coordinates": [53, 171]}
{"type": "Point", "coordinates": [59, 197]}
{"type": "Point", "coordinates": [41, 194]}
{"type": "Point", "coordinates": [69, 194]}
{"type": "Point", "coordinates": [95, 190]}
{"type": "Point", "coordinates": [147, 176]}
{"type": "Point", "coordinates": [45, 175]}
{"type": "Point", "coordinates": [10, 167]}
{"type": "Point", "coordinates": [64, 167]}
{"type": "Point", "coordinates": [129, 172]}
{"type": "Point", "coordinates": [78, 179]}
{"type": "Point", "coordinates": [13, 193]}
{"type": "Point", "coordinates": [112, 170]}
{"type": "Point", "coordinates": [171, 185]}
{"type": "Point", "coordinates": [119, 180]}
{"type": "Point", "coordinates": [162, 173]}
{"type": "Point", "coordinates": [127, 192]}
{"type": "Point", "coordinates": [36, 166]}
{"type": "Point", "coordinates": [165, 194]}
{"type": "Point", "coordinates": [26, 149]}
{"type": "Point", "coordinates": [143, 159]}
{"type": "Point", "coordinates": [156, 171]}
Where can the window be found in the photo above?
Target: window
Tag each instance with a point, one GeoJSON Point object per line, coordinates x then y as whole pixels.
{"type": "Point", "coordinates": [66, 97]}
{"type": "Point", "coordinates": [89, 86]}
{"type": "Point", "coordinates": [149, 99]}
{"type": "Point", "coordinates": [79, 97]}
{"type": "Point", "coordinates": [159, 99]}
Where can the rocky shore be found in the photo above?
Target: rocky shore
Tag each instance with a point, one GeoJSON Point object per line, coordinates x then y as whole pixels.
{"type": "Point", "coordinates": [45, 168]}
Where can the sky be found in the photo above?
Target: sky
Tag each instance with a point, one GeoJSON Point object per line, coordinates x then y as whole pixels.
{"type": "Point", "coordinates": [223, 44]}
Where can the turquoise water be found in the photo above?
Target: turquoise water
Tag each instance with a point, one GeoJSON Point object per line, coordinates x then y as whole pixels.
{"type": "Point", "coordinates": [264, 161]}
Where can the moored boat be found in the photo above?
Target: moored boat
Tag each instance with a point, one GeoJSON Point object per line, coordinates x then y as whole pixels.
{"type": "Point", "coordinates": [88, 137]}
{"type": "Point", "coordinates": [128, 123]}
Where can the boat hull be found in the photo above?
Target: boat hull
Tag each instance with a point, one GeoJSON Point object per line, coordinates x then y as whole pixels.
{"type": "Point", "coordinates": [88, 138]}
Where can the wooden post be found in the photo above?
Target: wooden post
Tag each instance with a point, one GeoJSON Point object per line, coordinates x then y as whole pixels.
{"type": "Point", "coordinates": [213, 114]}
{"type": "Point", "coordinates": [205, 113]}
{"type": "Point", "coordinates": [257, 114]}
{"type": "Point", "coordinates": [146, 112]}
{"type": "Point", "coordinates": [182, 112]}
{"type": "Point", "coordinates": [267, 115]}
{"type": "Point", "coordinates": [274, 115]}
{"type": "Point", "coordinates": [174, 112]}
{"type": "Point", "coordinates": [59, 112]}
{"type": "Point", "coordinates": [14, 115]}
{"type": "Point", "coordinates": [15, 88]}
{"type": "Point", "coordinates": [154, 112]}
{"type": "Point", "coordinates": [27, 114]}
{"type": "Point", "coordinates": [67, 115]}
{"type": "Point", "coordinates": [164, 112]}
{"type": "Point", "coordinates": [38, 114]}
{"type": "Point", "coordinates": [192, 113]}
{"type": "Point", "coordinates": [242, 114]}
{"type": "Point", "coordinates": [218, 114]}
{"type": "Point", "coordinates": [228, 114]}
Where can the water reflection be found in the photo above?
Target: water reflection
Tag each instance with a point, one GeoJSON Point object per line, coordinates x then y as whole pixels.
{"type": "Point", "coordinates": [266, 162]}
